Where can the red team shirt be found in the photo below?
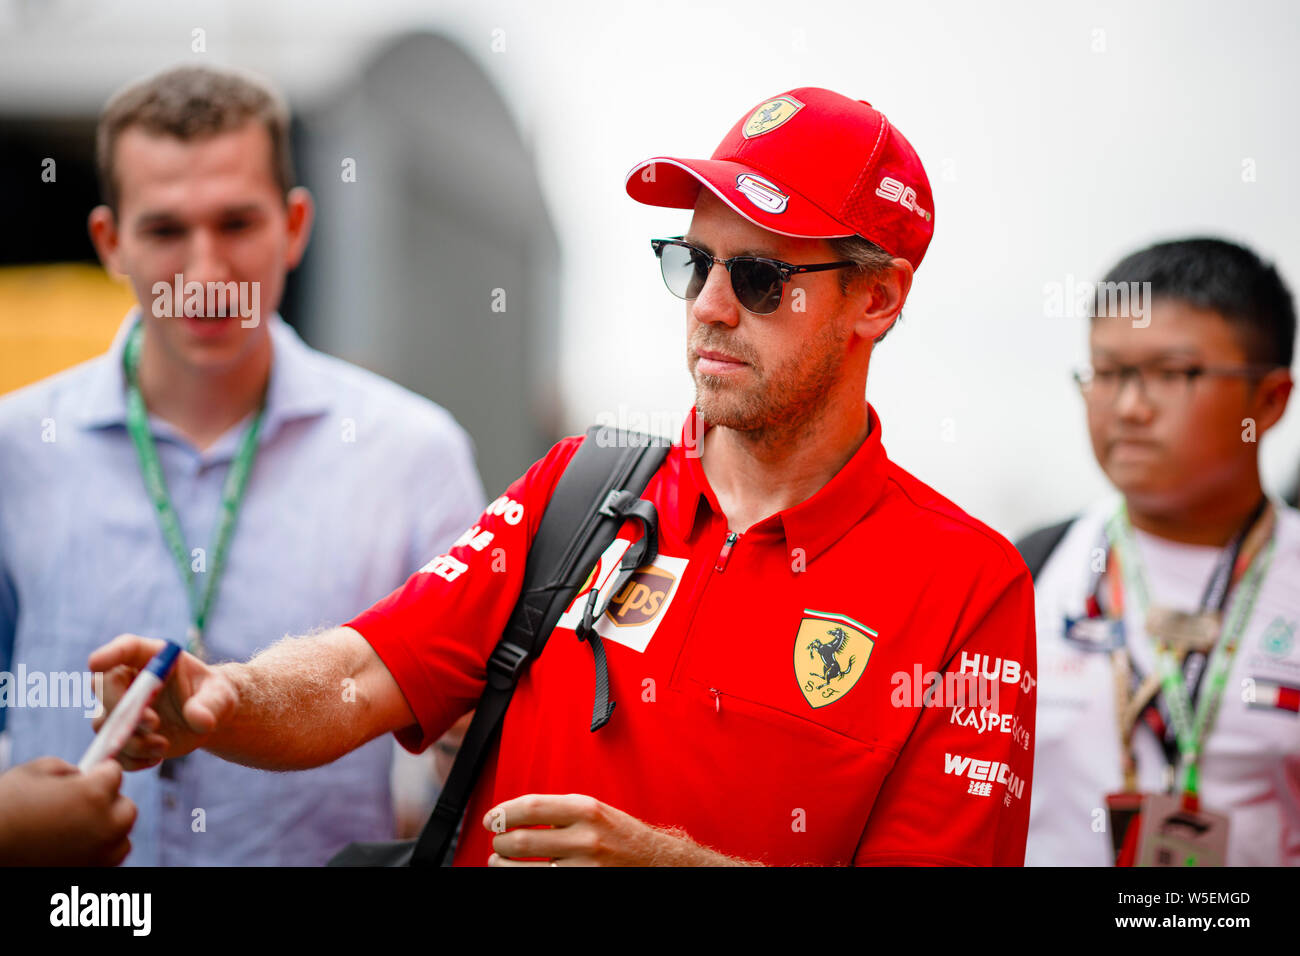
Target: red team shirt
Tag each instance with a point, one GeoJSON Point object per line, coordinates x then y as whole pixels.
{"type": "Point", "coordinates": [786, 698]}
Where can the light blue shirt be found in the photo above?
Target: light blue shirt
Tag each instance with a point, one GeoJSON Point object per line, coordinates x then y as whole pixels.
{"type": "Point", "coordinates": [357, 484]}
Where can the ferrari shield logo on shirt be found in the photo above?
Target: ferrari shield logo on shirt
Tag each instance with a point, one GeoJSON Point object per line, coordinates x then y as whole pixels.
{"type": "Point", "coordinates": [768, 116]}
{"type": "Point", "coordinates": [633, 614]}
{"type": "Point", "coordinates": [830, 653]}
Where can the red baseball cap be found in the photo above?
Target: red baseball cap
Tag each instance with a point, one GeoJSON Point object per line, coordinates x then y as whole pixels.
{"type": "Point", "coordinates": [808, 163]}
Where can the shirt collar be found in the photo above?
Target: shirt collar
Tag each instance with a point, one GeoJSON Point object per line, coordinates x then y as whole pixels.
{"type": "Point", "coordinates": [812, 525]}
{"type": "Point", "coordinates": [298, 387]}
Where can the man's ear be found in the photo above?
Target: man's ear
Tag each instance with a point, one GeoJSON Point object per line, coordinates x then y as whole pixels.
{"type": "Point", "coordinates": [882, 297]}
{"type": "Point", "coordinates": [301, 212]}
{"type": "Point", "coordinates": [1271, 395]}
{"type": "Point", "coordinates": [104, 235]}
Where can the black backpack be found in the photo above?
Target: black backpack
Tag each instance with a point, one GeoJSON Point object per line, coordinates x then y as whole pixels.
{"type": "Point", "coordinates": [1037, 546]}
{"type": "Point", "coordinates": [600, 488]}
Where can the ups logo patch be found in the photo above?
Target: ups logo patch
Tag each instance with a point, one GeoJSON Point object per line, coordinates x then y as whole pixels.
{"type": "Point", "coordinates": [641, 598]}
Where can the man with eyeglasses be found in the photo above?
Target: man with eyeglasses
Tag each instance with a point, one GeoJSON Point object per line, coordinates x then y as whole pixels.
{"type": "Point", "coordinates": [1169, 715]}
{"type": "Point", "coordinates": [827, 662]}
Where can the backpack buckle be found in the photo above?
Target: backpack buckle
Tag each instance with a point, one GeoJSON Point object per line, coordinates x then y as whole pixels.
{"type": "Point", "coordinates": [506, 662]}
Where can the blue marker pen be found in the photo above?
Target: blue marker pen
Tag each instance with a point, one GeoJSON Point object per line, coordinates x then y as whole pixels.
{"type": "Point", "coordinates": [122, 721]}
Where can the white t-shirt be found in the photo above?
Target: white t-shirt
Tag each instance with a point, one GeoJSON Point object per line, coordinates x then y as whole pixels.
{"type": "Point", "coordinates": [1250, 767]}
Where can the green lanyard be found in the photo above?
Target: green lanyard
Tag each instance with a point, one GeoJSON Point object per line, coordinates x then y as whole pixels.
{"type": "Point", "coordinates": [1192, 728]}
{"type": "Point", "coordinates": [232, 494]}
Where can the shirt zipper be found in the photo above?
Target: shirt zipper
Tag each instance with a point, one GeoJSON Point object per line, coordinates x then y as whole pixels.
{"type": "Point", "coordinates": [721, 565]}
{"type": "Point", "coordinates": [725, 553]}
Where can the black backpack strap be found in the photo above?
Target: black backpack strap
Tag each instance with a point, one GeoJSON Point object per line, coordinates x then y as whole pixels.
{"type": "Point", "coordinates": [620, 504]}
{"type": "Point", "coordinates": [1037, 546]}
{"type": "Point", "coordinates": [581, 520]}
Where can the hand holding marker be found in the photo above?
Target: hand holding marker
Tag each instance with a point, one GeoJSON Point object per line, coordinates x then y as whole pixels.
{"type": "Point", "coordinates": [122, 721]}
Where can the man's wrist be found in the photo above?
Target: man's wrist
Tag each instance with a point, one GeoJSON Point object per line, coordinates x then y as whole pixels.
{"type": "Point", "coordinates": [224, 737]}
{"type": "Point", "coordinates": [678, 849]}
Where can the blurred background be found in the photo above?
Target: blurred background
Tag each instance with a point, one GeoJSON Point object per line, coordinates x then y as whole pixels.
{"type": "Point", "coordinates": [487, 257]}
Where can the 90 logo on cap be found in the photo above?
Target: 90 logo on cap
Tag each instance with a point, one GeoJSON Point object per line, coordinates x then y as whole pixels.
{"type": "Point", "coordinates": [894, 191]}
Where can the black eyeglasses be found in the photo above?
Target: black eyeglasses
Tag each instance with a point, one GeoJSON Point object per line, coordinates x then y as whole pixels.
{"type": "Point", "coordinates": [758, 283]}
{"type": "Point", "coordinates": [1160, 384]}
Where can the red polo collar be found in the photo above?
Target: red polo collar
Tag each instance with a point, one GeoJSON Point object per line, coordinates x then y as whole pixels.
{"type": "Point", "coordinates": [812, 525]}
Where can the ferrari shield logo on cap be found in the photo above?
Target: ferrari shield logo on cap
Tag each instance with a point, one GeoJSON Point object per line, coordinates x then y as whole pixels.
{"type": "Point", "coordinates": [770, 115]}
{"type": "Point", "coordinates": [762, 193]}
{"type": "Point", "coordinates": [830, 653]}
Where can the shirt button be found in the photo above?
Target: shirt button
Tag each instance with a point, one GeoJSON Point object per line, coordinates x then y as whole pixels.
{"type": "Point", "coordinates": [169, 802]}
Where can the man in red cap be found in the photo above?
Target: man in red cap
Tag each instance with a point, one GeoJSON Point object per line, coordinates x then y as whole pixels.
{"type": "Point", "coordinates": [827, 662]}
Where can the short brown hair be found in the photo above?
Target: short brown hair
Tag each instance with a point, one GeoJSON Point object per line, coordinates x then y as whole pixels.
{"type": "Point", "coordinates": [192, 102]}
{"type": "Point", "coordinates": [870, 258]}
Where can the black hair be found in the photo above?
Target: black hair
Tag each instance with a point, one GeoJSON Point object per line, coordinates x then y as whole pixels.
{"type": "Point", "coordinates": [1223, 277]}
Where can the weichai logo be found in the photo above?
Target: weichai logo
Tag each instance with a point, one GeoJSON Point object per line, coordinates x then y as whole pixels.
{"type": "Point", "coordinates": [641, 598]}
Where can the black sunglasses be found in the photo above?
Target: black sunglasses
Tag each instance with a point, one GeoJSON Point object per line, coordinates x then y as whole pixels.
{"type": "Point", "coordinates": [758, 283]}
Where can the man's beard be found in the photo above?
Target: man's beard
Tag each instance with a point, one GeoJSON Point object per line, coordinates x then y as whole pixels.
{"type": "Point", "coordinates": [782, 402]}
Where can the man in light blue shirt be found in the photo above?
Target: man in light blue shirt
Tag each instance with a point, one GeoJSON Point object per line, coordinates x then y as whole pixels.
{"type": "Point", "coordinates": [354, 481]}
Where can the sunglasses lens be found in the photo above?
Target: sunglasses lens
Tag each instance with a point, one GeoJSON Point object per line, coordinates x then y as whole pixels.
{"type": "Point", "coordinates": [685, 270]}
{"type": "Point", "coordinates": [757, 286]}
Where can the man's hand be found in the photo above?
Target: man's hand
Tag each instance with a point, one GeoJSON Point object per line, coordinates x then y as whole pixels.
{"type": "Point", "coordinates": [585, 832]}
{"type": "Point", "coordinates": [51, 814]}
{"type": "Point", "coordinates": [192, 704]}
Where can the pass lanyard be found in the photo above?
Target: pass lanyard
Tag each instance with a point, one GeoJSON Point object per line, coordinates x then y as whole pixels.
{"type": "Point", "coordinates": [232, 495]}
{"type": "Point", "coordinates": [1240, 573]}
